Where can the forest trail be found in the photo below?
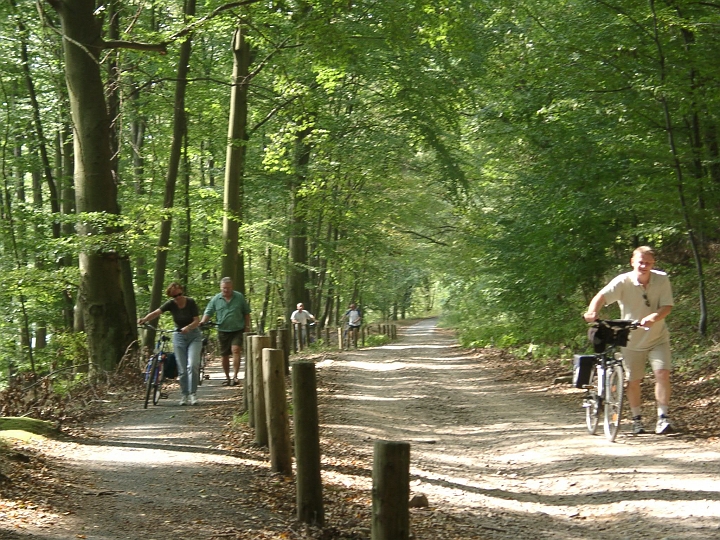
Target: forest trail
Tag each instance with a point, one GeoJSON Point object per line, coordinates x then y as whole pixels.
{"type": "Point", "coordinates": [513, 459]}
{"type": "Point", "coordinates": [497, 459]}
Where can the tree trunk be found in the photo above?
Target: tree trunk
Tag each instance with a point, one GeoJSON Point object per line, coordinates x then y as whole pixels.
{"type": "Point", "coordinates": [106, 321]}
{"type": "Point", "coordinates": [297, 273]}
{"type": "Point", "coordinates": [235, 161]}
{"type": "Point", "coordinates": [161, 255]}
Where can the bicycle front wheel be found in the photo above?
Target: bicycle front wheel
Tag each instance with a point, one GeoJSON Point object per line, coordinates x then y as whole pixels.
{"type": "Point", "coordinates": [157, 386]}
{"type": "Point", "coordinates": [591, 402]}
{"type": "Point", "coordinates": [614, 389]}
{"type": "Point", "coordinates": [150, 379]}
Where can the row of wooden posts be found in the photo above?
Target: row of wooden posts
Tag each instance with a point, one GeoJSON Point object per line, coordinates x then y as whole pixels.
{"type": "Point", "coordinates": [265, 401]}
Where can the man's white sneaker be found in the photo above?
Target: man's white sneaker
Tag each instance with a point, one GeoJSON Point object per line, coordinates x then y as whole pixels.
{"type": "Point", "coordinates": [663, 426]}
{"type": "Point", "coordinates": [193, 399]}
{"type": "Point", "coordinates": [183, 399]}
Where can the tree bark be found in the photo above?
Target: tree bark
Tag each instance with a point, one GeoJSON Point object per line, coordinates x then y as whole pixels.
{"type": "Point", "coordinates": [235, 161]}
{"type": "Point", "coordinates": [106, 321]}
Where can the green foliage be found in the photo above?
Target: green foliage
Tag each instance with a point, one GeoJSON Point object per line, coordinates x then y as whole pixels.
{"type": "Point", "coordinates": [377, 340]}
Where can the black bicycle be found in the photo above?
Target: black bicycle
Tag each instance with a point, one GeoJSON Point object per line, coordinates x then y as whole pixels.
{"type": "Point", "coordinates": [206, 351]}
{"type": "Point", "coordinates": [155, 368]}
{"type": "Point", "coordinates": [603, 375]}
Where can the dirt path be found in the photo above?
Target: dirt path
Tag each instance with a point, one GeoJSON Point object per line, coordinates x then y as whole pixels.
{"type": "Point", "coordinates": [154, 474]}
{"type": "Point", "coordinates": [511, 458]}
{"type": "Point", "coordinates": [496, 459]}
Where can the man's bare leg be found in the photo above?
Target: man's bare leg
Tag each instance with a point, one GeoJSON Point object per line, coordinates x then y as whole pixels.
{"type": "Point", "coordinates": [236, 351]}
{"type": "Point", "coordinates": [226, 367]}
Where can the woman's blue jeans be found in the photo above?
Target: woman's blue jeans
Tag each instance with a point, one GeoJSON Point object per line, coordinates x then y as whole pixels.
{"type": "Point", "coordinates": [187, 354]}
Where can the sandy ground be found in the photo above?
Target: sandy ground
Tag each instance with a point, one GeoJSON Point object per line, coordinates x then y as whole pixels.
{"type": "Point", "coordinates": [506, 460]}
{"type": "Point", "coordinates": [513, 458]}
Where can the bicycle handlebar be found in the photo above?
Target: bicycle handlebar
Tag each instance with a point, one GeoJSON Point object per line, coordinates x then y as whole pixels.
{"type": "Point", "coordinates": [148, 326]}
{"type": "Point", "coordinates": [616, 324]}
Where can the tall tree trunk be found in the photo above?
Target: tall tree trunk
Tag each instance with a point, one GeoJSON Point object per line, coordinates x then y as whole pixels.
{"type": "Point", "coordinates": [106, 321]}
{"type": "Point", "coordinates": [297, 274]}
{"type": "Point", "coordinates": [173, 166]}
{"type": "Point", "coordinates": [235, 161]}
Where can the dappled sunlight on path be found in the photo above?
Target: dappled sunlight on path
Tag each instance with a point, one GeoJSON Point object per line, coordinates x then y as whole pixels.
{"type": "Point", "coordinates": [505, 452]}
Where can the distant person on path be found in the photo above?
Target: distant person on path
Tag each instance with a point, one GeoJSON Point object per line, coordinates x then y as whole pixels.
{"type": "Point", "coordinates": [354, 321]}
{"type": "Point", "coordinates": [644, 295]}
{"type": "Point", "coordinates": [302, 317]}
{"type": "Point", "coordinates": [187, 340]}
{"type": "Point", "coordinates": [233, 316]}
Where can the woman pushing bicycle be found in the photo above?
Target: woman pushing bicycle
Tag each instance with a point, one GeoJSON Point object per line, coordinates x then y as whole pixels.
{"type": "Point", "coordinates": [187, 339]}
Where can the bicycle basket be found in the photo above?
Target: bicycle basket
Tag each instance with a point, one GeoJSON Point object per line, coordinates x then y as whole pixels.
{"type": "Point", "coordinates": [609, 333]}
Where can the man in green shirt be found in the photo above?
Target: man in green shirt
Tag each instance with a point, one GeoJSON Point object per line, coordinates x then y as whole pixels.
{"type": "Point", "coordinates": [233, 316]}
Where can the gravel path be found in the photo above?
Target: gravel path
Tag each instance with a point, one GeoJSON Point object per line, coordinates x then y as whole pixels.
{"type": "Point", "coordinates": [513, 458]}
{"type": "Point", "coordinates": [505, 460]}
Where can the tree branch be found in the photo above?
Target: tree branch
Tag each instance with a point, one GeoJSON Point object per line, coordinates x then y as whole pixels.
{"type": "Point", "coordinates": [429, 239]}
{"type": "Point", "coordinates": [120, 44]}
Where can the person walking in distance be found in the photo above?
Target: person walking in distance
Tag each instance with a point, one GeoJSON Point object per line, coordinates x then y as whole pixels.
{"type": "Point", "coordinates": [301, 317]}
{"type": "Point", "coordinates": [354, 321]}
{"type": "Point", "coordinates": [187, 339]}
{"type": "Point", "coordinates": [643, 294]}
{"type": "Point", "coordinates": [233, 316]}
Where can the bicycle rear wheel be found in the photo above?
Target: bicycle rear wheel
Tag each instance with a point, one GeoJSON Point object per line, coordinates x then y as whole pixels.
{"type": "Point", "coordinates": [203, 360]}
{"type": "Point", "coordinates": [591, 402]}
{"type": "Point", "coordinates": [150, 378]}
{"type": "Point", "coordinates": [614, 381]}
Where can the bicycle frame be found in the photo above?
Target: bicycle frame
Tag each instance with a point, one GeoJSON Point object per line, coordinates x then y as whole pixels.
{"type": "Point", "coordinates": [605, 390]}
{"type": "Point", "coordinates": [155, 368]}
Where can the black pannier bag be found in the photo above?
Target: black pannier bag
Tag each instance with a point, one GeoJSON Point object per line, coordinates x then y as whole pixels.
{"type": "Point", "coordinates": [583, 364]}
{"type": "Point", "coordinates": [614, 332]}
{"type": "Point", "coordinates": [170, 369]}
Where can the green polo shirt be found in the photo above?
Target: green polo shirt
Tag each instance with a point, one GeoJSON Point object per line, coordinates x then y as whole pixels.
{"type": "Point", "coordinates": [229, 314]}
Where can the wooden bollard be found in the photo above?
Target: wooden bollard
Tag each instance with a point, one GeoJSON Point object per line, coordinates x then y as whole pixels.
{"type": "Point", "coordinates": [307, 444]}
{"type": "Point", "coordinates": [273, 339]}
{"type": "Point", "coordinates": [390, 491]}
{"type": "Point", "coordinates": [278, 425]}
{"type": "Point", "coordinates": [283, 342]}
{"type": "Point", "coordinates": [261, 434]}
{"type": "Point", "coordinates": [340, 338]}
{"type": "Point", "coordinates": [247, 380]}
{"type": "Point", "coordinates": [363, 329]}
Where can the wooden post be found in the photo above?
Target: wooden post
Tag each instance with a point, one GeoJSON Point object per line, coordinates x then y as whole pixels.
{"type": "Point", "coordinates": [247, 380]}
{"type": "Point", "coordinates": [391, 491]}
{"type": "Point", "coordinates": [340, 339]}
{"type": "Point", "coordinates": [273, 339]}
{"type": "Point", "coordinates": [363, 330]}
{"type": "Point", "coordinates": [278, 425]}
{"type": "Point", "coordinates": [261, 434]}
{"type": "Point", "coordinates": [307, 444]}
{"type": "Point", "coordinates": [283, 338]}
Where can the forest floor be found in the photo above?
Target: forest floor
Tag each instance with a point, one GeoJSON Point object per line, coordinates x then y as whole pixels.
{"type": "Point", "coordinates": [498, 450]}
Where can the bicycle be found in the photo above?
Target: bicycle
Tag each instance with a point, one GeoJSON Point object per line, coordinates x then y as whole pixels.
{"type": "Point", "coordinates": [603, 376]}
{"type": "Point", "coordinates": [155, 368]}
{"type": "Point", "coordinates": [205, 354]}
